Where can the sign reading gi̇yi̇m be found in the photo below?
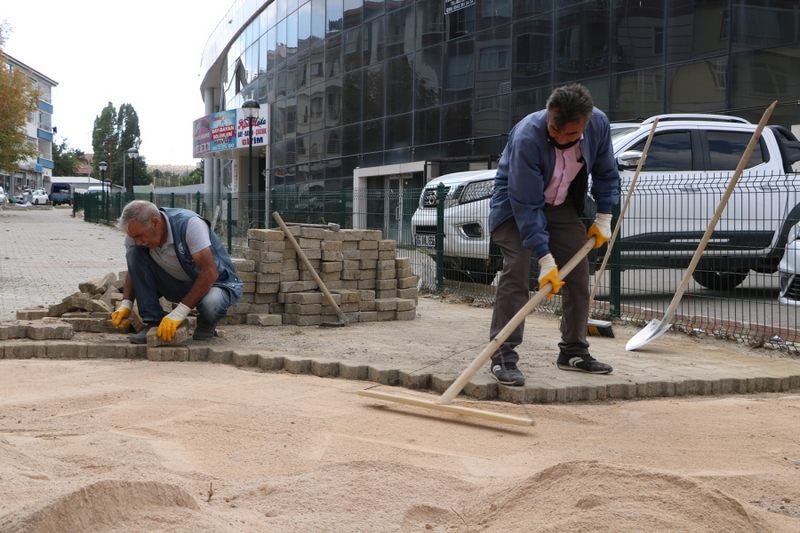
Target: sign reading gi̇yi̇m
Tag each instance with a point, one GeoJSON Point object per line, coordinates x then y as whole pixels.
{"type": "Point", "coordinates": [227, 130]}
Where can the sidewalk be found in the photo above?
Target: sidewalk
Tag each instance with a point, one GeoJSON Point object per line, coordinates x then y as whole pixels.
{"type": "Point", "coordinates": [47, 253]}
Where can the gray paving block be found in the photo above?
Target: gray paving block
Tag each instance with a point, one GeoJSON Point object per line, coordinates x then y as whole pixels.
{"type": "Point", "coordinates": [24, 350]}
{"type": "Point", "coordinates": [270, 362]}
{"type": "Point", "coordinates": [353, 371]}
{"type": "Point", "coordinates": [244, 359]}
{"type": "Point", "coordinates": [220, 356]}
{"type": "Point", "coordinates": [414, 380]}
{"type": "Point", "coordinates": [168, 353]}
{"type": "Point", "coordinates": [384, 375]}
{"type": "Point", "coordinates": [40, 331]}
{"type": "Point", "coordinates": [66, 350]}
{"type": "Point", "coordinates": [325, 368]}
{"type": "Point", "coordinates": [136, 351]}
{"type": "Point", "coordinates": [198, 353]}
{"type": "Point", "coordinates": [297, 365]}
{"type": "Point", "coordinates": [107, 350]}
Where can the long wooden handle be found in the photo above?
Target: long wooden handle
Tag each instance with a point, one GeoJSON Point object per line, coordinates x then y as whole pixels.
{"type": "Point", "coordinates": [718, 213]}
{"type": "Point", "coordinates": [307, 263]}
{"type": "Point", "coordinates": [624, 209]}
{"type": "Point", "coordinates": [462, 380]}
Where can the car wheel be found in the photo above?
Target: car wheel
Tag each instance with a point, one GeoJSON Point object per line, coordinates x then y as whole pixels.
{"type": "Point", "coordinates": [719, 281]}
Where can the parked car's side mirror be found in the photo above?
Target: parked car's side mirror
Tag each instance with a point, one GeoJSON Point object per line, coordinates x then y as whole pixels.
{"type": "Point", "coordinates": [628, 160]}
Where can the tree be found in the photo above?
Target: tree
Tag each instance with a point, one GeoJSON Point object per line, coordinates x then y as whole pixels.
{"type": "Point", "coordinates": [114, 133]}
{"type": "Point", "coordinates": [66, 161]}
{"type": "Point", "coordinates": [18, 98]}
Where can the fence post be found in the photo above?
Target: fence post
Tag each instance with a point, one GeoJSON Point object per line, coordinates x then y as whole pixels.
{"type": "Point", "coordinates": [343, 206]}
{"type": "Point", "coordinates": [615, 273]}
{"type": "Point", "coordinates": [441, 194]}
{"type": "Point", "coordinates": [152, 197]}
{"type": "Point", "coordinates": [172, 199]}
{"type": "Point", "coordinates": [197, 203]}
{"type": "Point", "coordinates": [229, 224]}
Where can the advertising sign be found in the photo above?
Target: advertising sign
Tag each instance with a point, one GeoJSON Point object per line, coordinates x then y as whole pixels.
{"type": "Point", "coordinates": [451, 6]}
{"type": "Point", "coordinates": [227, 130]}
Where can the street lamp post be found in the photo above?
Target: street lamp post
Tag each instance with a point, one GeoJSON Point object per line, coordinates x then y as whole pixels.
{"type": "Point", "coordinates": [251, 110]}
{"type": "Point", "coordinates": [133, 153]}
{"type": "Point", "coordinates": [103, 166]}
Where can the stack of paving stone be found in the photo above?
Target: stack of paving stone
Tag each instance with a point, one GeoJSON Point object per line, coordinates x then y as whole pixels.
{"type": "Point", "coordinates": [360, 268]}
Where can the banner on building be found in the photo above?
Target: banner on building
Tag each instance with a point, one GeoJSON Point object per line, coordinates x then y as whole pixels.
{"type": "Point", "coordinates": [227, 130]}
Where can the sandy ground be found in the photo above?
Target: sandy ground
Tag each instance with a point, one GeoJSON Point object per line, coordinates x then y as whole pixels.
{"type": "Point", "coordinates": [143, 446]}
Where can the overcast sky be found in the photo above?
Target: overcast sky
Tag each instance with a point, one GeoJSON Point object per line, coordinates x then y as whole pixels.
{"type": "Point", "coordinates": [145, 53]}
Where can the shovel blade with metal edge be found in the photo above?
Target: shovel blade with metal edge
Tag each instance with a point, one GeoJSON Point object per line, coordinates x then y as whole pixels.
{"type": "Point", "coordinates": [656, 328]}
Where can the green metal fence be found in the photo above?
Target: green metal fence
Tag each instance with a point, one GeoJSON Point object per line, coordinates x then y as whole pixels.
{"type": "Point", "coordinates": [733, 294]}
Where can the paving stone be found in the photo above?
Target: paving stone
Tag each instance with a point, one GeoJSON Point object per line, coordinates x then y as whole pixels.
{"type": "Point", "coordinates": [108, 350]}
{"type": "Point", "coordinates": [353, 371]}
{"type": "Point", "coordinates": [384, 375]}
{"type": "Point", "coordinates": [32, 313]}
{"type": "Point", "coordinates": [24, 350]}
{"type": "Point", "coordinates": [65, 350]}
{"type": "Point", "coordinates": [324, 368]}
{"type": "Point", "coordinates": [168, 353]}
{"type": "Point", "coordinates": [181, 337]}
{"type": "Point", "coordinates": [297, 365]}
{"type": "Point", "coordinates": [244, 359]}
{"type": "Point", "coordinates": [39, 331]}
{"type": "Point", "coordinates": [198, 352]}
{"type": "Point", "coordinates": [220, 355]}
{"type": "Point", "coordinates": [270, 362]}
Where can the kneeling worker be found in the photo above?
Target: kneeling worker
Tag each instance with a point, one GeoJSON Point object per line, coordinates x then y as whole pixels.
{"type": "Point", "coordinates": [174, 253]}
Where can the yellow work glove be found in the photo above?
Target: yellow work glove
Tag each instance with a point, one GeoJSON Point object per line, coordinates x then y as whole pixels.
{"type": "Point", "coordinates": [548, 273]}
{"type": "Point", "coordinates": [600, 229]}
{"type": "Point", "coordinates": [169, 324]}
{"type": "Point", "coordinates": [120, 316]}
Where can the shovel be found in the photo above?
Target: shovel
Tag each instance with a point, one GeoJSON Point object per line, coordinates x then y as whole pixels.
{"type": "Point", "coordinates": [656, 327]}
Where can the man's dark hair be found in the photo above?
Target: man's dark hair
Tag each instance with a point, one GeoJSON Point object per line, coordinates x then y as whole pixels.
{"type": "Point", "coordinates": [570, 103]}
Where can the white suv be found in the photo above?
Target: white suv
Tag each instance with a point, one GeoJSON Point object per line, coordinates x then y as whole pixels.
{"type": "Point", "coordinates": [690, 163]}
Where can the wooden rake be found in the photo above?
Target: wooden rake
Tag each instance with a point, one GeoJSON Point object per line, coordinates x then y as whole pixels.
{"type": "Point", "coordinates": [443, 402]}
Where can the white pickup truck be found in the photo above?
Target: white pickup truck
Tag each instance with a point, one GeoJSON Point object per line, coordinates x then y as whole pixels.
{"type": "Point", "coordinates": [690, 163]}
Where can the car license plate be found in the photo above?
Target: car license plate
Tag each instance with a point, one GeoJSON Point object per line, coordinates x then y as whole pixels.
{"type": "Point", "coordinates": [425, 240]}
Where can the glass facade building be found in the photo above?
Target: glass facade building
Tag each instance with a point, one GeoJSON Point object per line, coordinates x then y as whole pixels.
{"type": "Point", "coordinates": [402, 88]}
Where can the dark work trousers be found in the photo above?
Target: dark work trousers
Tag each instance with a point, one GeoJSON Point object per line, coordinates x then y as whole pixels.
{"type": "Point", "coordinates": [567, 236]}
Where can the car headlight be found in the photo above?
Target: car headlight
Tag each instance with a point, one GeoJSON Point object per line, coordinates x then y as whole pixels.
{"type": "Point", "coordinates": [472, 192]}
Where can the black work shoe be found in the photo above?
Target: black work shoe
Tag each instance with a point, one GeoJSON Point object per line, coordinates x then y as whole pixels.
{"type": "Point", "coordinates": [141, 337]}
{"type": "Point", "coordinates": [202, 334]}
{"type": "Point", "coordinates": [582, 363]}
{"type": "Point", "coordinates": [508, 374]}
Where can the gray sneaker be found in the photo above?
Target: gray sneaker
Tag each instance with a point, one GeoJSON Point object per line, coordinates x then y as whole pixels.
{"type": "Point", "coordinates": [140, 337]}
{"type": "Point", "coordinates": [508, 374]}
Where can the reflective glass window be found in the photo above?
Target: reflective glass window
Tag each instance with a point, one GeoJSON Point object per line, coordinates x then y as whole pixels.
{"type": "Point", "coordinates": [526, 102]}
{"type": "Point", "coordinates": [333, 103]}
{"type": "Point", "coordinates": [318, 20]}
{"type": "Point", "coordinates": [303, 111]}
{"type": "Point", "coordinates": [333, 56]}
{"type": "Point", "coordinates": [291, 35]}
{"type": "Point", "coordinates": [764, 23]}
{"type": "Point", "coordinates": [373, 8]}
{"type": "Point", "coordinates": [459, 70]}
{"type": "Point", "coordinates": [493, 60]}
{"type": "Point", "coordinates": [398, 131]}
{"type": "Point", "coordinates": [637, 33]}
{"type": "Point", "coordinates": [399, 32]}
{"type": "Point", "coordinates": [697, 87]}
{"type": "Point", "coordinates": [373, 92]}
{"type": "Point", "coordinates": [352, 49]}
{"type": "Point", "coordinates": [351, 139]}
{"type": "Point", "coordinates": [426, 126]}
{"type": "Point", "coordinates": [490, 116]}
{"type": "Point", "coordinates": [430, 22]}
{"type": "Point", "coordinates": [396, 4]}
{"type": "Point", "coordinates": [334, 10]}
{"type": "Point", "coordinates": [374, 40]}
{"type": "Point", "coordinates": [333, 143]}
{"type": "Point", "coordinates": [304, 29]}
{"type": "Point", "coordinates": [281, 39]}
{"type": "Point", "coordinates": [697, 28]}
{"type": "Point", "coordinates": [765, 75]}
{"type": "Point", "coordinates": [428, 77]}
{"type": "Point", "coordinates": [457, 121]}
{"type": "Point", "coordinates": [600, 89]}
{"type": "Point", "coordinates": [581, 41]}
{"type": "Point", "coordinates": [638, 94]}
{"type": "Point", "coordinates": [281, 9]}
{"type": "Point", "coordinates": [524, 8]}
{"type": "Point", "coordinates": [493, 13]}
{"type": "Point", "coordinates": [351, 97]}
{"type": "Point", "coordinates": [460, 23]}
{"type": "Point", "coordinates": [532, 52]}
{"type": "Point", "coordinates": [399, 84]}
{"type": "Point", "coordinates": [372, 136]}
{"type": "Point", "coordinates": [353, 13]}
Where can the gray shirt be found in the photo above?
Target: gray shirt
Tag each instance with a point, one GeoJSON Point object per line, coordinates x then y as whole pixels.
{"type": "Point", "coordinates": [197, 239]}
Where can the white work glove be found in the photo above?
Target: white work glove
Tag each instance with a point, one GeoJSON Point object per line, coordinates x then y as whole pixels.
{"type": "Point", "coordinates": [169, 324]}
{"type": "Point", "coordinates": [600, 230]}
{"type": "Point", "coordinates": [119, 318]}
{"type": "Point", "coordinates": [548, 274]}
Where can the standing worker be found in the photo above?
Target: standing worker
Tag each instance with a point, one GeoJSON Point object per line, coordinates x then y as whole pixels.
{"type": "Point", "coordinates": [174, 253]}
{"type": "Point", "coordinates": [539, 196]}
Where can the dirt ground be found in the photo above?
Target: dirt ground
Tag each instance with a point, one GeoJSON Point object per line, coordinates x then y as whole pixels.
{"type": "Point", "coordinates": [131, 445]}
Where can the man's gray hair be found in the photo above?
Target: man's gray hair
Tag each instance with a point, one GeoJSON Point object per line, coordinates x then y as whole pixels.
{"type": "Point", "coordinates": [570, 103]}
{"type": "Point", "coordinates": [141, 211]}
